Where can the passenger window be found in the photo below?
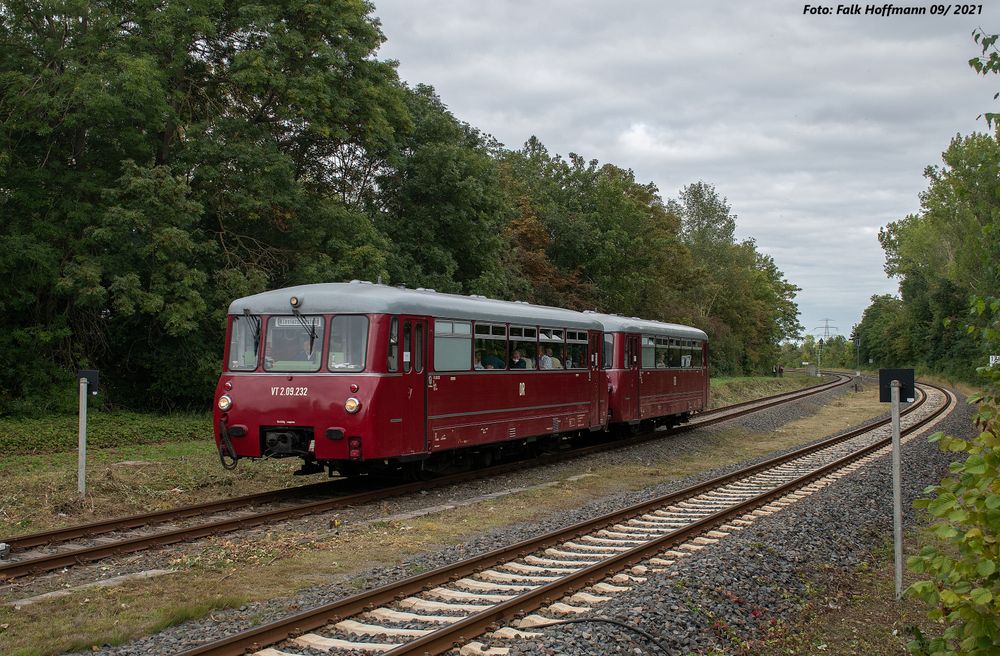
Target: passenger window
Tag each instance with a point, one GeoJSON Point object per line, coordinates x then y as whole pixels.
{"type": "Point", "coordinates": [696, 355]}
{"type": "Point", "coordinates": [675, 354]}
{"type": "Point", "coordinates": [662, 352]}
{"type": "Point", "coordinates": [392, 361]}
{"type": "Point", "coordinates": [407, 347]}
{"type": "Point", "coordinates": [523, 347]}
{"type": "Point", "coordinates": [575, 353]}
{"type": "Point", "coordinates": [551, 345]}
{"type": "Point", "coordinates": [609, 350]}
{"type": "Point", "coordinates": [452, 345]}
{"type": "Point", "coordinates": [648, 352]}
{"type": "Point", "coordinates": [490, 346]}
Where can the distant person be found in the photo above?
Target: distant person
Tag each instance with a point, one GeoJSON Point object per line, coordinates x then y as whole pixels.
{"type": "Point", "coordinates": [781, 371]}
{"type": "Point", "coordinates": [544, 360]}
{"type": "Point", "coordinates": [490, 361]}
{"type": "Point", "coordinates": [479, 361]}
{"type": "Point", "coordinates": [556, 364]}
{"type": "Point", "coordinates": [774, 371]}
{"type": "Point", "coordinates": [516, 361]}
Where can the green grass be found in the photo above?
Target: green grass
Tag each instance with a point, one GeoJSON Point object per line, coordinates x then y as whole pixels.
{"type": "Point", "coordinates": [58, 433]}
{"type": "Point", "coordinates": [726, 390]}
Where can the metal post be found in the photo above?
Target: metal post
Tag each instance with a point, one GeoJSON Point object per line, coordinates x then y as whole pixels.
{"type": "Point", "coordinates": [897, 500]}
{"type": "Point", "coordinates": [81, 463]}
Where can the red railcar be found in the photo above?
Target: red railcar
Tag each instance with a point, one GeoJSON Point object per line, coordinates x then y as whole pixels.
{"type": "Point", "coordinates": [357, 376]}
{"type": "Point", "coordinates": [657, 372]}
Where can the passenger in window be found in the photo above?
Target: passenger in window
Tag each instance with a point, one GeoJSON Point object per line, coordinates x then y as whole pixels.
{"type": "Point", "coordinates": [516, 361]}
{"type": "Point", "coordinates": [479, 361]}
{"type": "Point", "coordinates": [661, 362]}
{"type": "Point", "coordinates": [491, 361]}
{"type": "Point", "coordinates": [556, 363]}
{"type": "Point", "coordinates": [567, 360]}
{"type": "Point", "coordinates": [544, 360]}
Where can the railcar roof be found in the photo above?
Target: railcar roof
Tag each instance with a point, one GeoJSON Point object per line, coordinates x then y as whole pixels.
{"type": "Point", "coordinates": [614, 323]}
{"type": "Point", "coordinates": [365, 297]}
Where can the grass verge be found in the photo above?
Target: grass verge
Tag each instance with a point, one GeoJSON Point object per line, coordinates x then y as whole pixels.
{"type": "Point", "coordinates": [236, 569]}
{"type": "Point", "coordinates": [727, 390]}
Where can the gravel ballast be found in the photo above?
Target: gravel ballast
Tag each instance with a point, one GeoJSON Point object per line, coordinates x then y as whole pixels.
{"type": "Point", "coordinates": [729, 591]}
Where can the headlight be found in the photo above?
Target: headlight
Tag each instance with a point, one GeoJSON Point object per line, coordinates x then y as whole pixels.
{"type": "Point", "coordinates": [352, 405]}
{"type": "Point", "coordinates": [225, 402]}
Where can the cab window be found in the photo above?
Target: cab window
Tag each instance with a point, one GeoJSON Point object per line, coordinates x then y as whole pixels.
{"type": "Point", "coordinates": [293, 343]}
{"type": "Point", "coordinates": [348, 343]}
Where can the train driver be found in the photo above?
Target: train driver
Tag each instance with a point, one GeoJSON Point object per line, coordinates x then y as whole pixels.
{"type": "Point", "coordinates": [308, 351]}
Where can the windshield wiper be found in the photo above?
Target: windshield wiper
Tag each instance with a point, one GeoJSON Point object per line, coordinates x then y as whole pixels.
{"type": "Point", "coordinates": [310, 328]}
{"type": "Point", "coordinates": [254, 322]}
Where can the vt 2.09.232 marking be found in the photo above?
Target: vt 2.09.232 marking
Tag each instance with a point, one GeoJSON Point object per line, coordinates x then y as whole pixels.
{"type": "Point", "coordinates": [289, 391]}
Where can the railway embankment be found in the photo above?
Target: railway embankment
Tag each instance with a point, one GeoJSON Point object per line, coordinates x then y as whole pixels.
{"type": "Point", "coordinates": [249, 577]}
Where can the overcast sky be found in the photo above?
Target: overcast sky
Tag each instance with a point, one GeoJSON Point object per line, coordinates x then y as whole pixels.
{"type": "Point", "coordinates": [817, 128]}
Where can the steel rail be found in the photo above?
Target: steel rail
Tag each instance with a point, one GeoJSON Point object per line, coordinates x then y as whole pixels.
{"type": "Point", "coordinates": [97, 552]}
{"type": "Point", "coordinates": [443, 639]}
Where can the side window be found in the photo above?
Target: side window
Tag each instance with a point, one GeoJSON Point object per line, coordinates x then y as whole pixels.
{"type": "Point", "coordinates": [696, 355]}
{"type": "Point", "coordinates": [675, 353]}
{"type": "Point", "coordinates": [552, 347]}
{"type": "Point", "coordinates": [609, 350]}
{"type": "Point", "coordinates": [392, 360]}
{"type": "Point", "coordinates": [662, 352]}
{"type": "Point", "coordinates": [523, 347]}
{"type": "Point", "coordinates": [648, 352]}
{"type": "Point", "coordinates": [628, 351]}
{"type": "Point", "coordinates": [407, 347]}
{"type": "Point", "coordinates": [452, 345]}
{"type": "Point", "coordinates": [490, 346]}
{"type": "Point", "coordinates": [418, 347]}
{"type": "Point", "coordinates": [576, 350]}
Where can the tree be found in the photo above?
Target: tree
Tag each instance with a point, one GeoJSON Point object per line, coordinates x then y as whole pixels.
{"type": "Point", "coordinates": [263, 123]}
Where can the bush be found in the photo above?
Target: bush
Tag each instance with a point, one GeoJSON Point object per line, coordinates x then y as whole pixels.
{"type": "Point", "coordinates": [964, 583]}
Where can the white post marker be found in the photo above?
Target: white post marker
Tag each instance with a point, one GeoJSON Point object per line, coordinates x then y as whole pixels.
{"type": "Point", "coordinates": [897, 498]}
{"type": "Point", "coordinates": [81, 463]}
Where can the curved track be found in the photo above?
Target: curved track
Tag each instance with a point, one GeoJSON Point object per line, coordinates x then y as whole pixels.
{"type": "Point", "coordinates": [40, 552]}
{"type": "Point", "coordinates": [455, 604]}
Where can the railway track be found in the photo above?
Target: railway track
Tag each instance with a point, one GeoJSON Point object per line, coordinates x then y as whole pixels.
{"type": "Point", "coordinates": [50, 550]}
{"type": "Point", "coordinates": [510, 592]}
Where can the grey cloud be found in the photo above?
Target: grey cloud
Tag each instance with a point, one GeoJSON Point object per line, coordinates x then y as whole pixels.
{"type": "Point", "coordinates": [817, 129]}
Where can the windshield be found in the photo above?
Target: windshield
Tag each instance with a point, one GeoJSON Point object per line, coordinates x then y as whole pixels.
{"type": "Point", "coordinates": [244, 343]}
{"type": "Point", "coordinates": [293, 343]}
{"type": "Point", "coordinates": [348, 342]}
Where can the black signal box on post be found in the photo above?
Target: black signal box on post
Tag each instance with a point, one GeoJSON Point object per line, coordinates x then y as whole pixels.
{"type": "Point", "coordinates": [93, 378]}
{"type": "Point", "coordinates": [907, 390]}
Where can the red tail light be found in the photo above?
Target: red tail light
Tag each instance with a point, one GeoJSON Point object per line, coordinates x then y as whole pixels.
{"type": "Point", "coordinates": [354, 448]}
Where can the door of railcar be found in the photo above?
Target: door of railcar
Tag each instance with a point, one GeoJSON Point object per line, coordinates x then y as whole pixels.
{"type": "Point", "coordinates": [413, 401]}
{"type": "Point", "coordinates": [630, 379]}
{"type": "Point", "coordinates": [598, 384]}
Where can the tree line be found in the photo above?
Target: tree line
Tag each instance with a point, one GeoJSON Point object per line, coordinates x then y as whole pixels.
{"type": "Point", "coordinates": [158, 160]}
{"type": "Point", "coordinates": [945, 257]}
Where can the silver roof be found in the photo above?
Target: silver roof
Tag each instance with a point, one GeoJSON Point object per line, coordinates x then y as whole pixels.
{"type": "Point", "coordinates": [365, 297]}
{"type": "Point", "coordinates": [614, 323]}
